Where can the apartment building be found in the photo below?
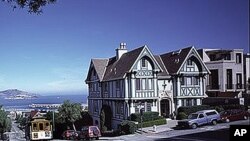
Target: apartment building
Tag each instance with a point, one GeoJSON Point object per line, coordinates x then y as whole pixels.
{"type": "Point", "coordinates": [247, 73]}
{"type": "Point", "coordinates": [138, 80]}
{"type": "Point", "coordinates": [226, 67]}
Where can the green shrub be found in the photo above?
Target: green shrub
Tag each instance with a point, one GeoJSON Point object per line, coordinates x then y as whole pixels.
{"type": "Point", "coordinates": [128, 127]}
{"type": "Point", "coordinates": [181, 115]}
{"type": "Point", "coordinates": [154, 122]}
{"type": "Point", "coordinates": [147, 116]}
{"type": "Point", "coordinates": [134, 117]}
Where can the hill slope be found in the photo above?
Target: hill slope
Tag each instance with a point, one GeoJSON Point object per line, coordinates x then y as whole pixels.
{"type": "Point", "coordinates": [17, 94]}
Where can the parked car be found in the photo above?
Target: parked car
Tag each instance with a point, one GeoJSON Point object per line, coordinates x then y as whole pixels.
{"type": "Point", "coordinates": [233, 115]}
{"type": "Point", "coordinates": [200, 118]}
{"type": "Point", "coordinates": [5, 136]}
{"type": "Point", "coordinates": [90, 132]}
{"type": "Point", "coordinates": [70, 135]}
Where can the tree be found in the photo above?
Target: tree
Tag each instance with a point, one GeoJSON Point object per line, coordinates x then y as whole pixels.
{"type": "Point", "coordinates": [5, 122]}
{"type": "Point", "coordinates": [69, 112]}
{"type": "Point", "coordinates": [34, 6]}
{"type": "Point", "coordinates": [102, 121]}
{"type": "Point", "coordinates": [21, 120]}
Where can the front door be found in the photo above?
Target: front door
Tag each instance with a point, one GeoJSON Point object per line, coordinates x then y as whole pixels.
{"type": "Point", "coordinates": [165, 108]}
{"type": "Point", "coordinates": [106, 118]}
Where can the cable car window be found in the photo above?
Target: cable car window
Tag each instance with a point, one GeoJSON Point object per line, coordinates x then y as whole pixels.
{"type": "Point", "coordinates": [34, 126]}
{"type": "Point", "coordinates": [40, 126]}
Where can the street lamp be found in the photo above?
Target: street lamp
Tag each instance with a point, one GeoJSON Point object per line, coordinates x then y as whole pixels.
{"type": "Point", "coordinates": [141, 113]}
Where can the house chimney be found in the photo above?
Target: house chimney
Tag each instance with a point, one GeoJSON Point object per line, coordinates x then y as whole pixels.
{"type": "Point", "coordinates": [121, 50]}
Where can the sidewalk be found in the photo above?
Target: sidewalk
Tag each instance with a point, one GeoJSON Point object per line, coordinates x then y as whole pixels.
{"type": "Point", "coordinates": [160, 128]}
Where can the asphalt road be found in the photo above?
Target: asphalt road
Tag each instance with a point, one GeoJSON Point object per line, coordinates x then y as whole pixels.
{"type": "Point", "coordinates": [16, 134]}
{"type": "Point", "coordinates": [219, 132]}
{"type": "Point", "coordinates": [217, 135]}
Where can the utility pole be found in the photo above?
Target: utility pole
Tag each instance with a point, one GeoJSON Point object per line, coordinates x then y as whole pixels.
{"type": "Point", "coordinates": [141, 114]}
{"type": "Point", "coordinates": [53, 121]}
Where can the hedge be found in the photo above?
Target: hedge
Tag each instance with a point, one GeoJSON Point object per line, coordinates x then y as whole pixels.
{"type": "Point", "coordinates": [181, 116]}
{"type": "Point", "coordinates": [151, 123]}
{"type": "Point", "coordinates": [128, 127]}
{"type": "Point", "coordinates": [147, 116]}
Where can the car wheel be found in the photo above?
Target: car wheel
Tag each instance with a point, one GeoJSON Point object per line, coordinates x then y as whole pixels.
{"type": "Point", "coordinates": [245, 117]}
{"type": "Point", "coordinates": [96, 132]}
{"type": "Point", "coordinates": [214, 122]}
{"type": "Point", "coordinates": [227, 120]}
{"type": "Point", "coordinates": [194, 126]}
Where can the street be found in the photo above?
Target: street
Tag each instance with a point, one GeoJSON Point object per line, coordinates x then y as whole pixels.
{"type": "Point", "coordinates": [217, 135]}
{"type": "Point", "coordinates": [16, 134]}
{"type": "Point", "coordinates": [220, 132]}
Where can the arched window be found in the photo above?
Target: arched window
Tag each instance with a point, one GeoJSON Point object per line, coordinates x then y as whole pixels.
{"type": "Point", "coordinates": [143, 62]}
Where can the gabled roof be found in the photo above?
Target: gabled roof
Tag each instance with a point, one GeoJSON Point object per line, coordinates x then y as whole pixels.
{"type": "Point", "coordinates": [164, 72]}
{"type": "Point", "coordinates": [100, 65]}
{"type": "Point", "coordinates": [33, 113]}
{"type": "Point", "coordinates": [174, 60]}
{"type": "Point", "coordinates": [168, 63]}
{"type": "Point", "coordinates": [116, 69]}
{"type": "Point", "coordinates": [37, 114]}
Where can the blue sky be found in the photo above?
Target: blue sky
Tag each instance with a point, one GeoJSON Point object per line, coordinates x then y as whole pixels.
{"type": "Point", "coordinates": [50, 53]}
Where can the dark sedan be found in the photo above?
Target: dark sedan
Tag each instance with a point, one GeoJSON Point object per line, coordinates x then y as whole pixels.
{"type": "Point", "coordinates": [233, 115]}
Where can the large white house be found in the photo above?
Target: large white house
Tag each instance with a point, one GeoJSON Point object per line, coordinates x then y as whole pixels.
{"type": "Point", "coordinates": [137, 79]}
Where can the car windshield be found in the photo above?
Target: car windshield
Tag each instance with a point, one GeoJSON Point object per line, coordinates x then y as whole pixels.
{"type": "Point", "coordinates": [193, 116]}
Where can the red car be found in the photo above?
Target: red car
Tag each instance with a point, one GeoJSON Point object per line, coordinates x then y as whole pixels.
{"type": "Point", "coordinates": [70, 135]}
{"type": "Point", "coordinates": [233, 115]}
{"type": "Point", "coordinates": [90, 132]}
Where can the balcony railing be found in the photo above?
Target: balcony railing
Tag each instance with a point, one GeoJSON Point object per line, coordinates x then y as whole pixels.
{"type": "Point", "coordinates": [227, 87]}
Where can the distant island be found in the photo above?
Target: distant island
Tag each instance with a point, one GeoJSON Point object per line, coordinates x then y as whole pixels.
{"type": "Point", "coordinates": [17, 94]}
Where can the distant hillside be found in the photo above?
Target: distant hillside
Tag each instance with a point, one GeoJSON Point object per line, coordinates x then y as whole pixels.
{"type": "Point", "coordinates": [17, 94]}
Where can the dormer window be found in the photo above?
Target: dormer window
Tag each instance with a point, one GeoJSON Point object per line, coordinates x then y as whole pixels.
{"type": "Point", "coordinates": [143, 62]}
{"type": "Point", "coordinates": [189, 62]}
